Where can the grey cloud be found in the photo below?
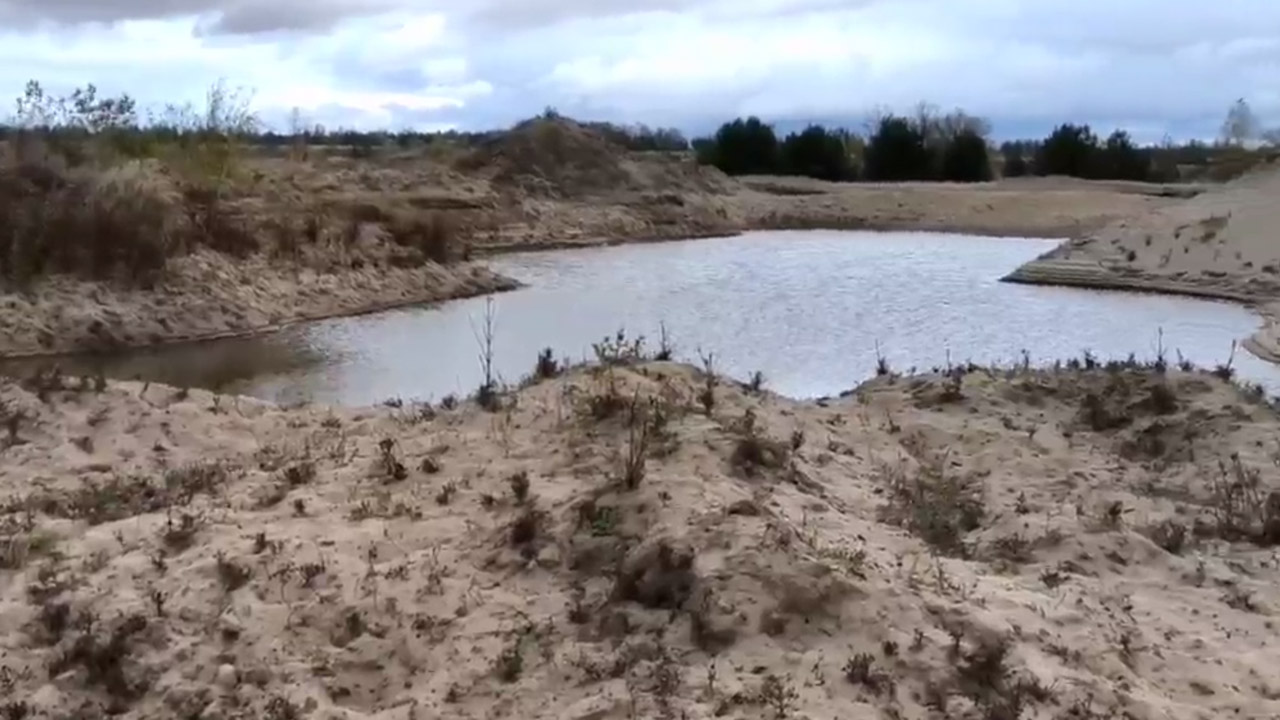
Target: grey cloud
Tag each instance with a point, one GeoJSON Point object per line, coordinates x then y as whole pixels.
{"type": "Point", "coordinates": [532, 14]}
{"type": "Point", "coordinates": [251, 18]}
{"type": "Point", "coordinates": [231, 17]}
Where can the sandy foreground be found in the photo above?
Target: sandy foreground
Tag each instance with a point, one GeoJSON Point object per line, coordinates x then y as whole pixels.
{"type": "Point", "coordinates": [642, 540]}
{"type": "Point", "coordinates": [543, 185]}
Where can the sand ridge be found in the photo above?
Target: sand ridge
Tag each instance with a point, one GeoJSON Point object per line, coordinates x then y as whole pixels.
{"type": "Point", "coordinates": [642, 539]}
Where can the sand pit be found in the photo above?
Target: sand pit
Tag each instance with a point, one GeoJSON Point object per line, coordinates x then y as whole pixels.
{"type": "Point", "coordinates": [642, 540]}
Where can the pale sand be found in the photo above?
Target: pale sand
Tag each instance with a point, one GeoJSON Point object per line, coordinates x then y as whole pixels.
{"type": "Point", "coordinates": [1222, 243]}
{"type": "Point", "coordinates": [208, 295]}
{"type": "Point", "coordinates": [366, 597]}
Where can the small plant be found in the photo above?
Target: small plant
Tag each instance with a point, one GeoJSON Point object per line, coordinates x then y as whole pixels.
{"type": "Point", "coordinates": [618, 350]}
{"type": "Point", "coordinates": [777, 694]}
{"type": "Point", "coordinates": [510, 662]}
{"type": "Point", "coordinates": [280, 708]}
{"type": "Point", "coordinates": [882, 363]}
{"type": "Point", "coordinates": [449, 402]}
{"type": "Point", "coordinates": [937, 507]}
{"type": "Point", "coordinates": [179, 536]}
{"type": "Point", "coordinates": [639, 432]}
{"type": "Point", "coordinates": [546, 368]}
{"type": "Point", "coordinates": [525, 528]}
{"type": "Point", "coordinates": [519, 484]}
{"type": "Point", "coordinates": [106, 663]}
{"type": "Point", "coordinates": [665, 349]}
{"type": "Point", "coordinates": [756, 382]}
{"type": "Point", "coordinates": [1162, 398]}
{"type": "Point", "coordinates": [231, 575]}
{"type": "Point", "coordinates": [753, 451]}
{"type": "Point", "coordinates": [707, 395]}
{"type": "Point", "coordinates": [797, 440]}
{"type": "Point", "coordinates": [299, 474]}
{"type": "Point", "coordinates": [392, 469]}
{"type": "Point", "coordinates": [445, 496]}
{"type": "Point", "coordinates": [158, 599]}
{"type": "Point", "coordinates": [487, 395]}
{"type": "Point", "coordinates": [860, 670]}
{"type": "Point", "coordinates": [1225, 371]}
{"type": "Point", "coordinates": [1170, 535]}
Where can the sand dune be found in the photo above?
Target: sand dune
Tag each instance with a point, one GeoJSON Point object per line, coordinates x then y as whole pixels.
{"type": "Point", "coordinates": [633, 541]}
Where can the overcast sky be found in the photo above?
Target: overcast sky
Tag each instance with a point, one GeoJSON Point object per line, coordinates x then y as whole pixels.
{"type": "Point", "coordinates": [1153, 66]}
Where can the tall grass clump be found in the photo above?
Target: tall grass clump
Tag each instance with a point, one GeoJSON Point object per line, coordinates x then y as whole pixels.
{"type": "Point", "coordinates": [87, 189]}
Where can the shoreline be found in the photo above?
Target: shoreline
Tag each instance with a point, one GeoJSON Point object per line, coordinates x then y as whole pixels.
{"type": "Point", "coordinates": [231, 298]}
{"type": "Point", "coordinates": [1044, 272]}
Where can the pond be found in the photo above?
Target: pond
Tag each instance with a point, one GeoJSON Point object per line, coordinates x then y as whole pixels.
{"type": "Point", "coordinates": [811, 310]}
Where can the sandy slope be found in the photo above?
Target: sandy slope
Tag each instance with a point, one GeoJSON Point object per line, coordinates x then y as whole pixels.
{"type": "Point", "coordinates": [1032, 544]}
{"type": "Point", "coordinates": [1026, 207]}
{"type": "Point", "coordinates": [1222, 243]}
{"type": "Point", "coordinates": [208, 295]}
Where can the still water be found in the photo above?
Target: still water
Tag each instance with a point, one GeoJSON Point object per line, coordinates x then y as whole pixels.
{"type": "Point", "coordinates": [808, 309]}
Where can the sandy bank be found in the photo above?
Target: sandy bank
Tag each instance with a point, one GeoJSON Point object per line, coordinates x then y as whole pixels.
{"type": "Point", "coordinates": [634, 542]}
{"type": "Point", "coordinates": [1220, 243]}
{"type": "Point", "coordinates": [208, 296]}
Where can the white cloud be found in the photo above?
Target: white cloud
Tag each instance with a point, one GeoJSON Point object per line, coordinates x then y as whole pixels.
{"type": "Point", "coordinates": [1158, 65]}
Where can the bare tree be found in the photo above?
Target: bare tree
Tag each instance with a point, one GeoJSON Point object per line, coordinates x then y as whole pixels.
{"type": "Point", "coordinates": [1240, 125]}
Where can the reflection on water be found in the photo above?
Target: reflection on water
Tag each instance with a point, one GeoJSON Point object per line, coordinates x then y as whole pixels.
{"type": "Point", "coordinates": [230, 365]}
{"type": "Point", "coordinates": [808, 309]}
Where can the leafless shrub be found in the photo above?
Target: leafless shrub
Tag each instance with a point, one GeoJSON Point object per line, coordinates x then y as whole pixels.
{"type": "Point", "coordinates": [753, 451]}
{"type": "Point", "coordinates": [447, 491]}
{"type": "Point", "coordinates": [487, 395]}
{"type": "Point", "coordinates": [519, 484]}
{"type": "Point", "coordinates": [861, 670]}
{"type": "Point", "coordinates": [390, 467]}
{"type": "Point", "coordinates": [546, 367]}
{"type": "Point", "coordinates": [659, 576]}
{"type": "Point", "coordinates": [1242, 508]}
{"type": "Point", "coordinates": [707, 395]}
{"type": "Point", "coordinates": [666, 351]}
{"type": "Point", "coordinates": [1170, 535]}
{"type": "Point", "coordinates": [639, 433]}
{"type": "Point", "coordinates": [937, 507]}
{"type": "Point", "coordinates": [106, 662]}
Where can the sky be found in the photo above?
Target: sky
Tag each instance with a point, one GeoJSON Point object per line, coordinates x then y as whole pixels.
{"type": "Point", "coordinates": [1150, 66]}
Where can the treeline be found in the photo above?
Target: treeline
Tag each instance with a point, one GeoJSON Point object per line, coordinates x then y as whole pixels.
{"type": "Point", "coordinates": [118, 122]}
{"type": "Point", "coordinates": [956, 147]}
{"type": "Point", "coordinates": [950, 147]}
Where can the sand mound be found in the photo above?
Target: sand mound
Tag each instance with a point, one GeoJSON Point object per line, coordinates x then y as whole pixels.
{"type": "Point", "coordinates": [1222, 241]}
{"type": "Point", "coordinates": [557, 157]}
{"type": "Point", "coordinates": [640, 540]}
